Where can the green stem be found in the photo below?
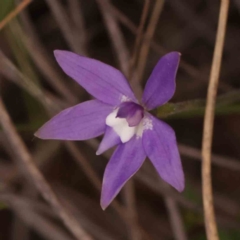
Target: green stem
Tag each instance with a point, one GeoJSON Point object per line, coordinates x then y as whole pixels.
{"type": "Point", "coordinates": [228, 103]}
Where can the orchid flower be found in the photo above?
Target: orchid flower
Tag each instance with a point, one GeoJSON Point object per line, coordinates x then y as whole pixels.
{"type": "Point", "coordinates": [124, 121]}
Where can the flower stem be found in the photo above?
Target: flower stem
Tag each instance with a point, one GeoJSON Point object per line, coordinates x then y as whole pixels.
{"type": "Point", "coordinates": [228, 103]}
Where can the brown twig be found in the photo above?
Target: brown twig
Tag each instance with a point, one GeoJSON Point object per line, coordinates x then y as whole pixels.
{"type": "Point", "coordinates": [26, 164]}
{"type": "Point", "coordinates": [14, 13]}
{"type": "Point", "coordinates": [190, 69]}
{"type": "Point", "coordinates": [129, 195]}
{"type": "Point", "coordinates": [210, 223]}
{"type": "Point", "coordinates": [9, 70]}
{"type": "Point", "coordinates": [90, 210]}
{"type": "Point", "coordinates": [25, 210]}
{"type": "Point", "coordinates": [115, 35]}
{"type": "Point", "coordinates": [40, 56]}
{"type": "Point", "coordinates": [148, 180]}
{"type": "Point", "coordinates": [76, 14]}
{"type": "Point", "coordinates": [133, 77]}
{"type": "Point", "coordinates": [148, 37]}
{"type": "Point", "coordinates": [65, 25]}
{"type": "Point", "coordinates": [138, 38]}
{"type": "Point", "coordinates": [19, 229]}
{"type": "Point", "coordinates": [175, 219]}
{"type": "Point", "coordinates": [219, 160]}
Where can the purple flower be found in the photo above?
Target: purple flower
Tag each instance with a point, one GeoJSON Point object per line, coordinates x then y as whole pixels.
{"type": "Point", "coordinates": [117, 114]}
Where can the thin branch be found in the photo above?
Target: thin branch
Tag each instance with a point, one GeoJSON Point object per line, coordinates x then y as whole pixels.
{"type": "Point", "coordinates": [210, 223]}
{"type": "Point", "coordinates": [65, 25]}
{"type": "Point", "coordinates": [93, 177]}
{"type": "Point", "coordinates": [84, 164]}
{"type": "Point", "coordinates": [130, 201]}
{"type": "Point", "coordinates": [76, 14]}
{"type": "Point", "coordinates": [19, 229]}
{"type": "Point", "coordinates": [138, 38]}
{"type": "Point", "coordinates": [115, 35]}
{"type": "Point", "coordinates": [175, 218]}
{"type": "Point", "coordinates": [87, 216]}
{"type": "Point", "coordinates": [27, 166]}
{"type": "Point", "coordinates": [219, 160]}
{"type": "Point", "coordinates": [41, 155]}
{"type": "Point", "coordinates": [25, 210]}
{"type": "Point", "coordinates": [147, 177]}
{"type": "Point", "coordinates": [14, 13]}
{"type": "Point", "coordinates": [39, 55]}
{"type": "Point", "coordinates": [122, 18]}
{"type": "Point", "coordinates": [9, 70]}
{"type": "Point", "coordinates": [133, 77]}
{"type": "Point", "coordinates": [148, 37]}
{"type": "Point", "coordinates": [190, 69]}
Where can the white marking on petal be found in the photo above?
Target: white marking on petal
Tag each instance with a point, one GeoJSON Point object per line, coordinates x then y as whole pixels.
{"type": "Point", "coordinates": [140, 129]}
{"type": "Point", "coordinates": [125, 98]}
{"type": "Point", "coordinates": [147, 124]}
{"type": "Point", "coordinates": [120, 126]}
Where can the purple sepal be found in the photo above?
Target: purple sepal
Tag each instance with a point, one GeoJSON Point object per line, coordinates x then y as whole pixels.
{"type": "Point", "coordinates": [83, 121]}
{"type": "Point", "coordinates": [110, 139]}
{"type": "Point", "coordinates": [161, 84]}
{"type": "Point", "coordinates": [102, 81]}
{"type": "Point", "coordinates": [161, 147]}
{"type": "Point", "coordinates": [133, 113]}
{"type": "Point", "coordinates": [124, 163]}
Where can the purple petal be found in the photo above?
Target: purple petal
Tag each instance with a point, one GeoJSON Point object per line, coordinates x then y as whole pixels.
{"type": "Point", "coordinates": [102, 81]}
{"type": "Point", "coordinates": [133, 113]}
{"type": "Point", "coordinates": [124, 163]}
{"type": "Point", "coordinates": [109, 140]}
{"type": "Point", "coordinates": [161, 84]}
{"type": "Point", "coordinates": [80, 122]}
{"type": "Point", "coordinates": [161, 148]}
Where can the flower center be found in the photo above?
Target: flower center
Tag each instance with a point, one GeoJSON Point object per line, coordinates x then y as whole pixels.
{"type": "Point", "coordinates": [132, 112]}
{"type": "Point", "coordinates": [126, 121]}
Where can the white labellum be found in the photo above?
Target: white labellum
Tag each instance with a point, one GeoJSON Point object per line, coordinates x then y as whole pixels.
{"type": "Point", "coordinates": [120, 126]}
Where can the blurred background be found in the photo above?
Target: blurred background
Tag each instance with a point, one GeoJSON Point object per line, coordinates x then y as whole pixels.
{"type": "Point", "coordinates": [34, 88]}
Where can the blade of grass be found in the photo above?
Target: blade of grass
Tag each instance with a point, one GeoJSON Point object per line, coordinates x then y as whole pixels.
{"type": "Point", "coordinates": [14, 13]}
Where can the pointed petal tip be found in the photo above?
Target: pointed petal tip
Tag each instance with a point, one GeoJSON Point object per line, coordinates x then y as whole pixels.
{"type": "Point", "coordinates": [178, 54]}
{"type": "Point", "coordinates": [98, 153]}
{"type": "Point", "coordinates": [161, 84]}
{"type": "Point", "coordinates": [179, 185]}
{"type": "Point", "coordinates": [104, 205]}
{"type": "Point", "coordinates": [180, 188]}
{"type": "Point", "coordinates": [38, 134]}
{"type": "Point", "coordinates": [57, 53]}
